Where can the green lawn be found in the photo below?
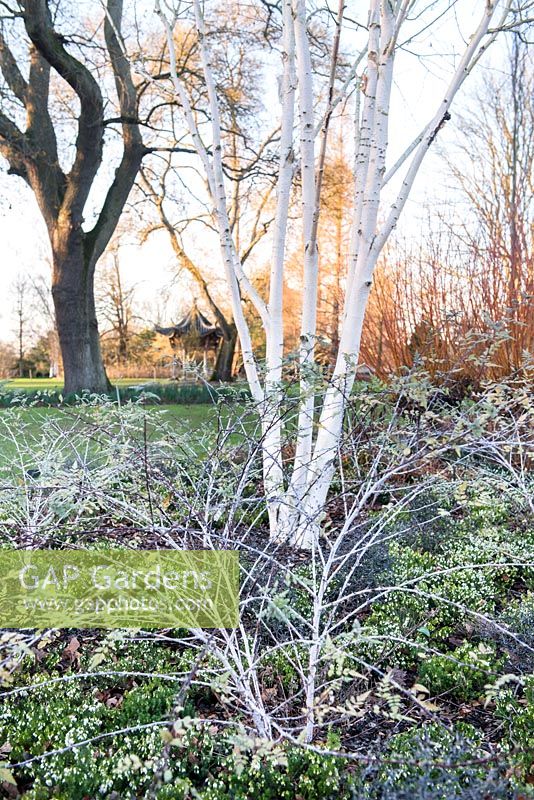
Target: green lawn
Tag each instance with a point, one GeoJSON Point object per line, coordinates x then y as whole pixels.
{"type": "Point", "coordinates": [41, 384]}
{"type": "Point", "coordinates": [21, 430]}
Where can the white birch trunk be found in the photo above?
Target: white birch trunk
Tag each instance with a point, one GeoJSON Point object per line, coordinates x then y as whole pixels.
{"type": "Point", "coordinates": [273, 476]}
{"type": "Point", "coordinates": [308, 326]}
{"type": "Point", "coordinates": [312, 181]}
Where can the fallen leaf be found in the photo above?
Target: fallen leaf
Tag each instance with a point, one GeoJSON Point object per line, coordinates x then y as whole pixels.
{"type": "Point", "coordinates": [420, 689]}
{"type": "Point", "coordinates": [6, 776]}
{"type": "Point", "coordinates": [70, 653]}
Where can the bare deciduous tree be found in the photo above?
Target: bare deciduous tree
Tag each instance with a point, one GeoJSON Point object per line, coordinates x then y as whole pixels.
{"type": "Point", "coordinates": [497, 143]}
{"type": "Point", "coordinates": [44, 302]}
{"type": "Point", "coordinates": [115, 303]}
{"type": "Point", "coordinates": [467, 287]}
{"type": "Point", "coordinates": [155, 189]}
{"type": "Point", "coordinates": [20, 292]}
{"type": "Point", "coordinates": [34, 39]}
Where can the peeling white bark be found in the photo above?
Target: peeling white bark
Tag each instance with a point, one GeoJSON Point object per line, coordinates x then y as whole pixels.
{"type": "Point", "coordinates": [308, 328]}
{"type": "Point", "coordinates": [273, 475]}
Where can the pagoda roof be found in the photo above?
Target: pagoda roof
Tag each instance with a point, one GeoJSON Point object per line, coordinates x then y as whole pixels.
{"type": "Point", "coordinates": [193, 322]}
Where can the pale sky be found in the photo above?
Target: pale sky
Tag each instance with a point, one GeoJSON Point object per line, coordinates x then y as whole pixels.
{"type": "Point", "coordinates": [418, 89]}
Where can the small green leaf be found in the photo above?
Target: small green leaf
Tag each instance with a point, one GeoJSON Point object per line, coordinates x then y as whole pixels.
{"type": "Point", "coordinates": [98, 658]}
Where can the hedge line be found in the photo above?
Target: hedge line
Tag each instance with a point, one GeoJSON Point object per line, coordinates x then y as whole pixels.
{"type": "Point", "coordinates": [148, 393]}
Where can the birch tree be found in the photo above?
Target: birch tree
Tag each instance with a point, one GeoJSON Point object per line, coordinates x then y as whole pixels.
{"type": "Point", "coordinates": [296, 496]}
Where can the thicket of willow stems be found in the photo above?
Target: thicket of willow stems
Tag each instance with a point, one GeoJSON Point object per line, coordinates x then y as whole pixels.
{"type": "Point", "coordinates": [296, 501]}
{"type": "Point", "coordinates": [466, 290]}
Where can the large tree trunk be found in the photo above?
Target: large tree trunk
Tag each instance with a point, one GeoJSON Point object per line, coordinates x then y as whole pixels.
{"type": "Point", "coordinates": [74, 303]}
{"type": "Point", "coordinates": [225, 356]}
